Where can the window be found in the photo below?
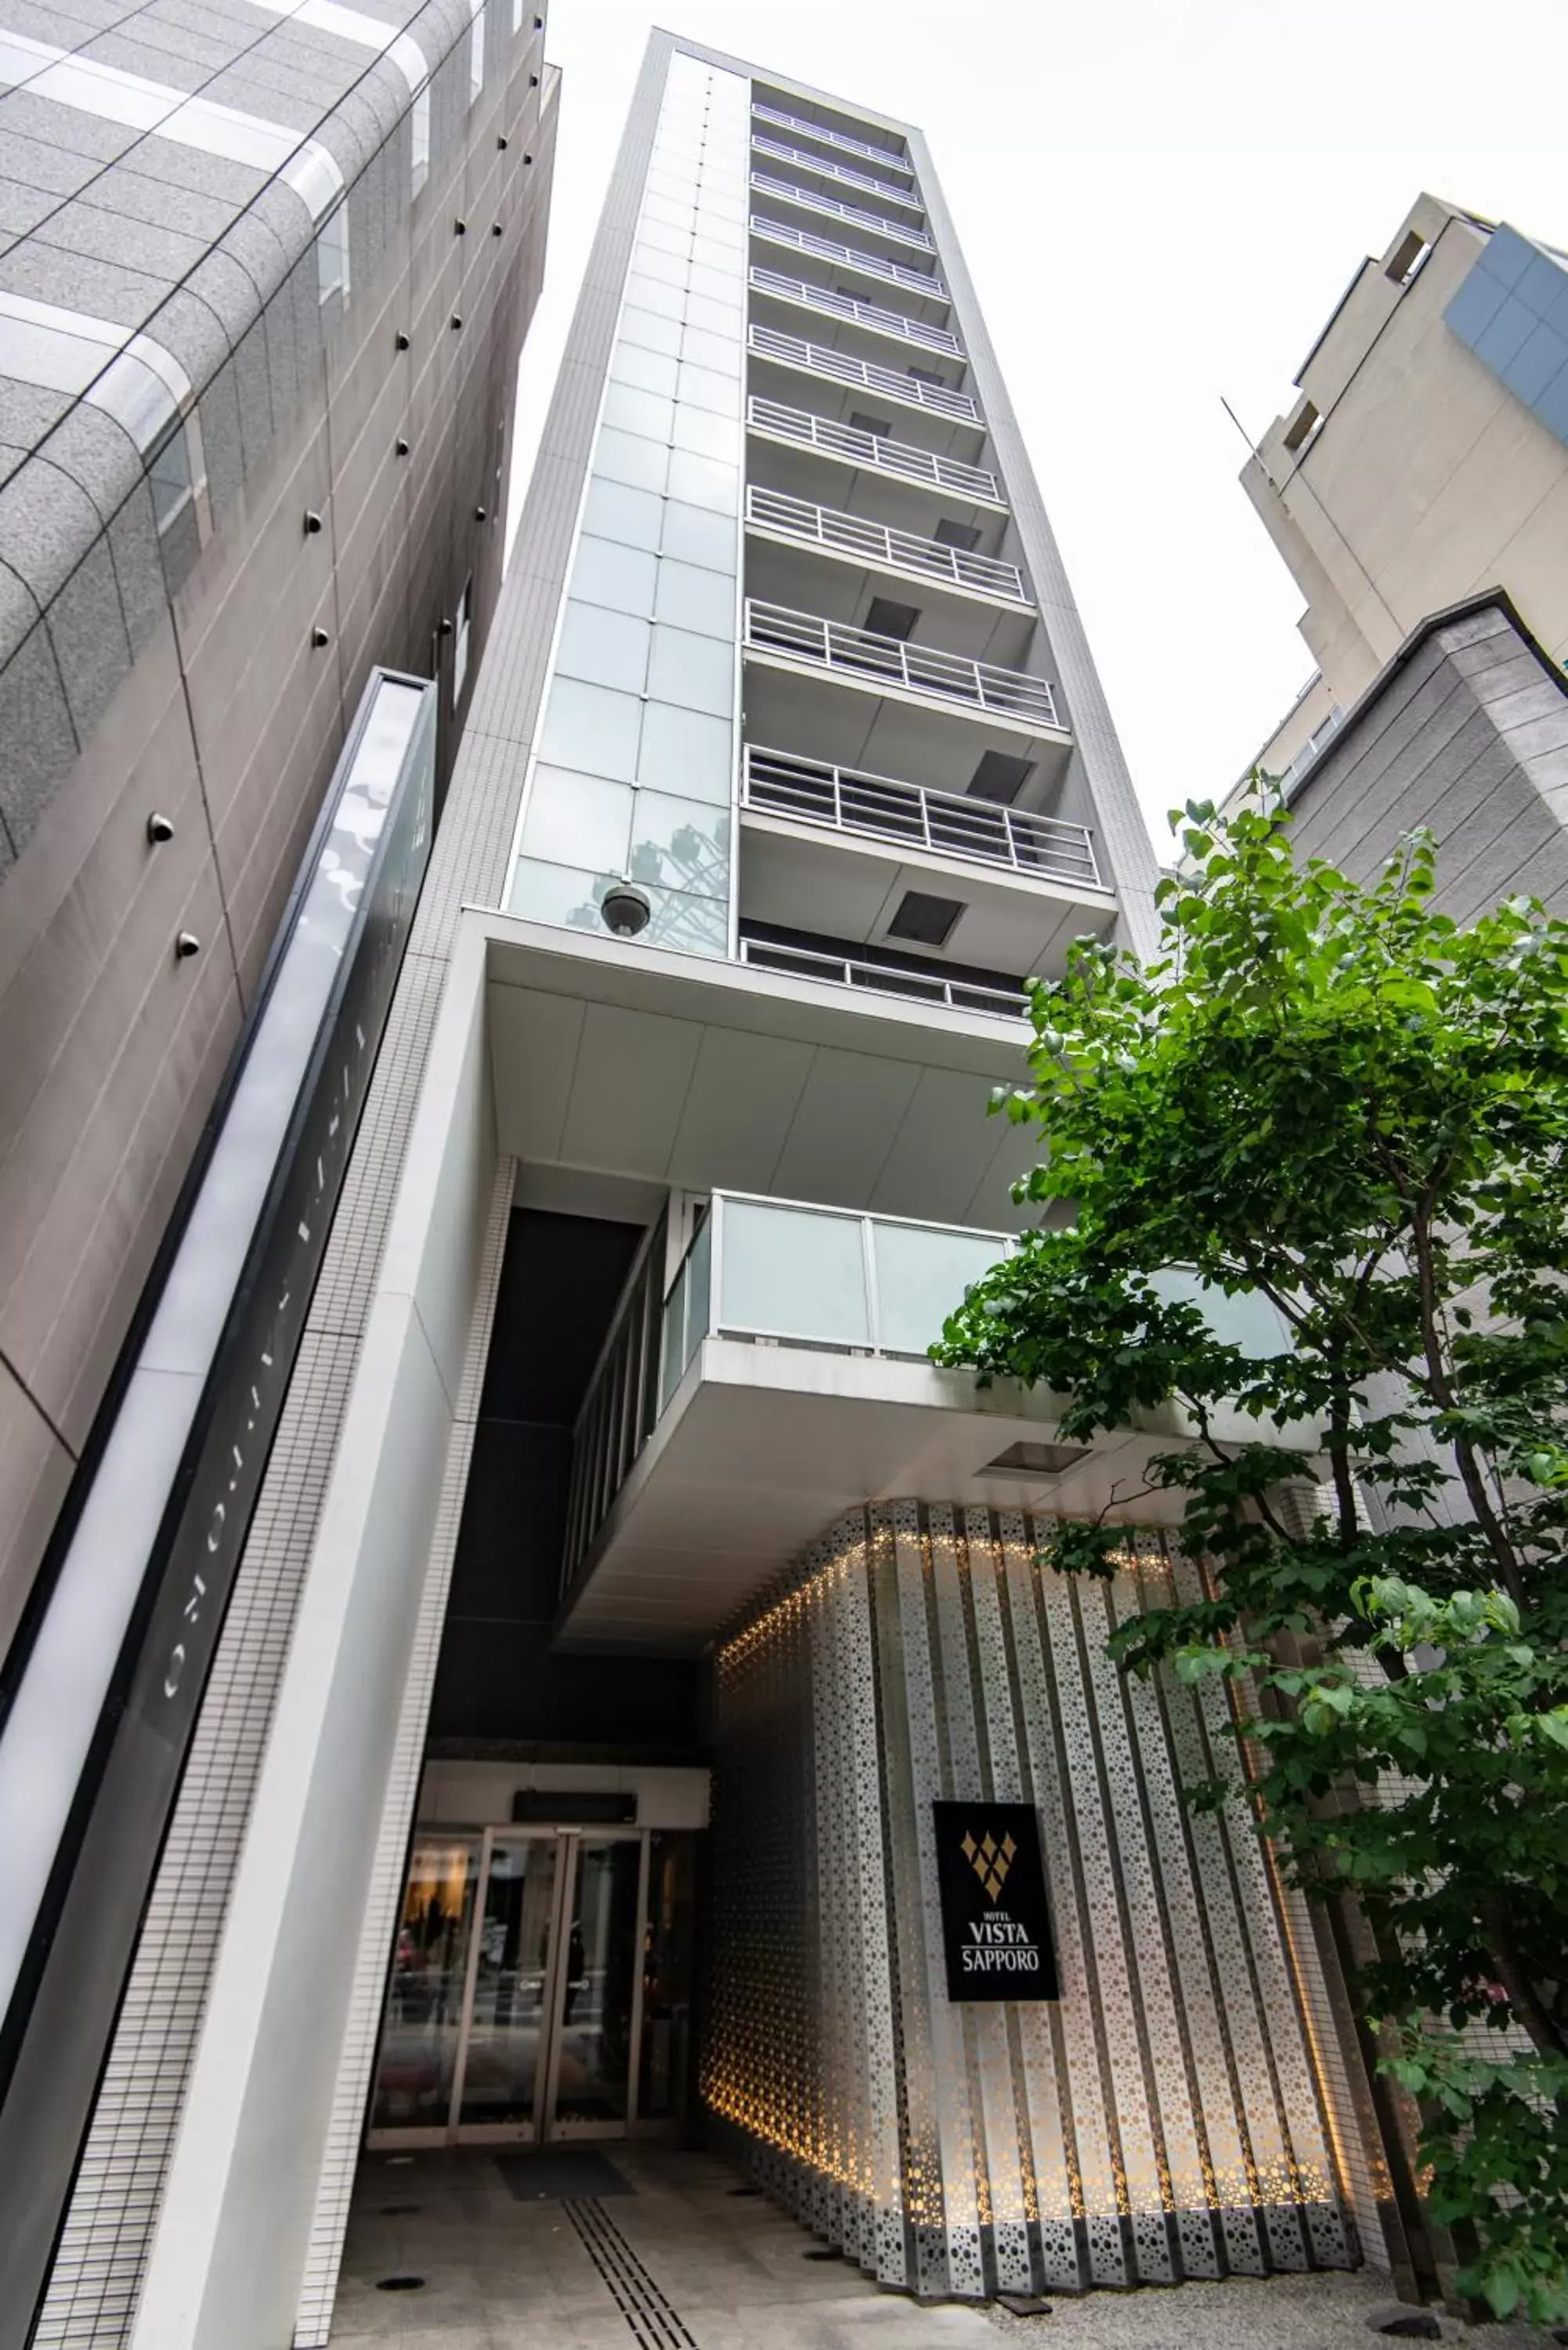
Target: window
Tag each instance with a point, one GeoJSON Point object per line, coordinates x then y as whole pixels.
{"type": "Point", "coordinates": [332, 254]}
{"type": "Point", "coordinates": [1301, 427]}
{"type": "Point", "coordinates": [476, 53]}
{"type": "Point", "coordinates": [1407, 258]}
{"type": "Point", "coordinates": [420, 124]}
{"type": "Point", "coordinates": [461, 642]}
{"type": "Point", "coordinates": [171, 475]}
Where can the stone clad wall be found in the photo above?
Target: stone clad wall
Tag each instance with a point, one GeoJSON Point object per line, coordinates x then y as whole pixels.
{"type": "Point", "coordinates": [1174, 2114]}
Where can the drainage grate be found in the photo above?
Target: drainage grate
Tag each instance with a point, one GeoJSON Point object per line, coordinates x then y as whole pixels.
{"type": "Point", "coordinates": [638, 2299]}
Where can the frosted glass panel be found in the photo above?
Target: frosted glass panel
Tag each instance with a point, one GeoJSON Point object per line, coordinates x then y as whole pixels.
{"type": "Point", "coordinates": [718, 318]}
{"type": "Point", "coordinates": [622, 578]}
{"type": "Point", "coordinates": [662, 237]}
{"type": "Point", "coordinates": [716, 254]}
{"type": "Point", "coordinates": [692, 925]}
{"type": "Point", "coordinates": [649, 371]}
{"type": "Point", "coordinates": [666, 301]}
{"type": "Point", "coordinates": [623, 457]}
{"type": "Point", "coordinates": [706, 387]}
{"type": "Point", "coordinates": [701, 481]}
{"type": "Point", "coordinates": [720, 353]}
{"type": "Point", "coordinates": [680, 845]}
{"type": "Point", "coordinates": [698, 536]}
{"type": "Point", "coordinates": [707, 435]}
{"type": "Point", "coordinates": [685, 753]}
{"type": "Point", "coordinates": [605, 648]}
{"type": "Point", "coordinates": [692, 598]}
{"type": "Point", "coordinates": [578, 820]}
{"type": "Point", "coordinates": [611, 510]}
{"type": "Point", "coordinates": [666, 268]}
{"type": "Point", "coordinates": [644, 412]}
{"type": "Point", "coordinates": [793, 1274]}
{"type": "Point", "coordinates": [697, 672]}
{"type": "Point", "coordinates": [590, 729]}
{"type": "Point", "coordinates": [650, 331]}
{"type": "Point", "coordinates": [719, 282]}
{"type": "Point", "coordinates": [921, 1277]}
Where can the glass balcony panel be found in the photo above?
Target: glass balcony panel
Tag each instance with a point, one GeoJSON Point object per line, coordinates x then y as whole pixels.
{"type": "Point", "coordinates": [921, 1277]}
{"type": "Point", "coordinates": [789, 1272]}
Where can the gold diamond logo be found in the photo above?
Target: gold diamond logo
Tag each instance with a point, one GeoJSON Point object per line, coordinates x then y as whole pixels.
{"type": "Point", "coordinates": [990, 1860]}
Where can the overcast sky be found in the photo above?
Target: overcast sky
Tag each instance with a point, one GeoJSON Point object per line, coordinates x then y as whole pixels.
{"type": "Point", "coordinates": [1160, 201]}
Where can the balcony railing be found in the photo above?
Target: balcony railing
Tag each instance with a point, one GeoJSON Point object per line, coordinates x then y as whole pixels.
{"type": "Point", "coordinates": [949, 824]}
{"type": "Point", "coordinates": [847, 442]}
{"type": "Point", "coordinates": [770, 1269]}
{"type": "Point", "coordinates": [847, 256]}
{"type": "Point", "coordinates": [892, 550]}
{"type": "Point", "coordinates": [885, 979]}
{"type": "Point", "coordinates": [860, 657]}
{"type": "Point", "coordinates": [762, 113]}
{"type": "Point", "coordinates": [812, 200]}
{"type": "Point", "coordinates": [839, 173]}
{"type": "Point", "coordinates": [821, 359]}
{"type": "Point", "coordinates": [864, 313]}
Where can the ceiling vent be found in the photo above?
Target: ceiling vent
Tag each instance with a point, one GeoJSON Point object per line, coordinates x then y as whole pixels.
{"type": "Point", "coordinates": [930, 921]}
{"type": "Point", "coordinates": [1034, 1461]}
{"type": "Point", "coordinates": [999, 777]}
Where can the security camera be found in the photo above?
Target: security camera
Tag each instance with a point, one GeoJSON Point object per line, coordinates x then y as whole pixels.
{"type": "Point", "coordinates": [627, 909]}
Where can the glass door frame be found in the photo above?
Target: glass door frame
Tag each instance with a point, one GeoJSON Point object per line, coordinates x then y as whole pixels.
{"type": "Point", "coordinates": [542, 2126]}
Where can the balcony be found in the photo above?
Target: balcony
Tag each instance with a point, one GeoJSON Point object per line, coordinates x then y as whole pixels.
{"type": "Point", "coordinates": [876, 321]}
{"type": "Point", "coordinates": [872, 224]}
{"type": "Point", "coordinates": [862, 375]}
{"type": "Point", "coordinates": [846, 257]}
{"type": "Point", "coordinates": [910, 815]}
{"type": "Point", "coordinates": [782, 1379]}
{"type": "Point", "coordinates": [838, 139]}
{"type": "Point", "coordinates": [873, 546]}
{"type": "Point", "coordinates": [839, 173]}
{"type": "Point", "coordinates": [913, 985]}
{"type": "Point", "coordinates": [857, 657]}
{"type": "Point", "coordinates": [847, 444]}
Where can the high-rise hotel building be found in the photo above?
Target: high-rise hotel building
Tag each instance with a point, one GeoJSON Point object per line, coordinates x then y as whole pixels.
{"type": "Point", "coordinates": [628, 1598]}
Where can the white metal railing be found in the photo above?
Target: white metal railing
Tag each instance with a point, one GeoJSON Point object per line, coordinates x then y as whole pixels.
{"type": "Point", "coordinates": [813, 200]}
{"type": "Point", "coordinates": [775, 1270]}
{"type": "Point", "coordinates": [923, 467]}
{"type": "Point", "coordinates": [949, 824]}
{"type": "Point", "coordinates": [759, 111]}
{"type": "Point", "coordinates": [863, 314]}
{"type": "Point", "coordinates": [860, 657]}
{"type": "Point", "coordinates": [875, 542]}
{"type": "Point", "coordinates": [839, 173]}
{"type": "Point", "coordinates": [821, 359]}
{"type": "Point", "coordinates": [847, 256]}
{"type": "Point", "coordinates": [885, 979]}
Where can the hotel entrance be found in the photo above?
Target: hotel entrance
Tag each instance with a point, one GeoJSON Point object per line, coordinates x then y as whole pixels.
{"type": "Point", "coordinates": [540, 1988]}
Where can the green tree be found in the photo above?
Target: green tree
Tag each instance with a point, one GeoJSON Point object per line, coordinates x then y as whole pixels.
{"type": "Point", "coordinates": [1334, 1098]}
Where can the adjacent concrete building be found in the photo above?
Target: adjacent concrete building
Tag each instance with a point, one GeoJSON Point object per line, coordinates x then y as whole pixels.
{"type": "Point", "coordinates": [265, 267]}
{"type": "Point", "coordinates": [1426, 456]}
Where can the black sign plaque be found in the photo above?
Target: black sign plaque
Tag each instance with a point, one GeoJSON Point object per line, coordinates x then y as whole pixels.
{"type": "Point", "coordinates": [996, 1916]}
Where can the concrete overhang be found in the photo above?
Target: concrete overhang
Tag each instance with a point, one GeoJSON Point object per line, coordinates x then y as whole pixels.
{"type": "Point", "coordinates": [762, 1447]}
{"type": "Point", "coordinates": [683, 1070]}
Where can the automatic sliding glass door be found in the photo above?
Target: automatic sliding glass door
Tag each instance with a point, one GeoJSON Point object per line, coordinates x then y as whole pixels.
{"type": "Point", "coordinates": [514, 2010]}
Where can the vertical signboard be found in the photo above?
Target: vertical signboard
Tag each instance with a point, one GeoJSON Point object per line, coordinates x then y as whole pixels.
{"type": "Point", "coordinates": [100, 1717]}
{"type": "Point", "coordinates": [996, 1914]}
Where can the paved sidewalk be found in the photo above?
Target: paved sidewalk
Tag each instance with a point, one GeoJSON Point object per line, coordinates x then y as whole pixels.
{"type": "Point", "coordinates": [691, 2259]}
